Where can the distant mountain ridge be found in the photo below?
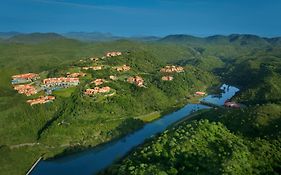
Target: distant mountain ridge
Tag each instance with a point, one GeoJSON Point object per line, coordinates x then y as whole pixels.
{"type": "Point", "coordinates": [236, 39]}
{"type": "Point", "coordinates": [239, 39]}
{"type": "Point", "coordinates": [34, 38]}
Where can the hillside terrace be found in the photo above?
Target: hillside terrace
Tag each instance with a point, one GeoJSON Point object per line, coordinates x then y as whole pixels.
{"type": "Point", "coordinates": [41, 100]}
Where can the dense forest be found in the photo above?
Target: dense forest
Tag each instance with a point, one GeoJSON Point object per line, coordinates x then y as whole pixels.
{"type": "Point", "coordinates": [222, 141]}
{"type": "Point", "coordinates": [218, 141]}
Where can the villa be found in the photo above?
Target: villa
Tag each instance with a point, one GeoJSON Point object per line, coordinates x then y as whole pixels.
{"type": "Point", "coordinates": [41, 100]}
{"type": "Point", "coordinates": [122, 68]}
{"type": "Point", "coordinates": [137, 80]}
{"type": "Point", "coordinates": [113, 54]}
{"type": "Point", "coordinates": [24, 78]}
{"type": "Point", "coordinates": [171, 69]}
{"type": "Point", "coordinates": [97, 90]}
{"type": "Point", "coordinates": [26, 89]}
{"type": "Point", "coordinates": [167, 78]}
{"type": "Point", "coordinates": [98, 81]}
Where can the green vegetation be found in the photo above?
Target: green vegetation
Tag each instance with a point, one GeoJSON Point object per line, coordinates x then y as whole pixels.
{"type": "Point", "coordinates": [218, 141]}
{"type": "Point", "coordinates": [244, 141]}
{"type": "Point", "coordinates": [222, 141]}
{"type": "Point", "coordinates": [74, 120]}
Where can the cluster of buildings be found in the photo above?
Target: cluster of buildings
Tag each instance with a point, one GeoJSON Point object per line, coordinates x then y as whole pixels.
{"type": "Point", "coordinates": [41, 100]}
{"type": "Point", "coordinates": [167, 78]}
{"type": "Point", "coordinates": [97, 90]}
{"type": "Point", "coordinates": [26, 89]}
{"type": "Point", "coordinates": [61, 82]}
{"type": "Point", "coordinates": [171, 69]}
{"type": "Point", "coordinates": [123, 68]}
{"type": "Point", "coordinates": [113, 54]}
{"type": "Point", "coordinates": [137, 80]}
{"type": "Point", "coordinates": [24, 78]}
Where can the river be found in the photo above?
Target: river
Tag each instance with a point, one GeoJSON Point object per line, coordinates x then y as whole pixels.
{"type": "Point", "coordinates": [94, 160]}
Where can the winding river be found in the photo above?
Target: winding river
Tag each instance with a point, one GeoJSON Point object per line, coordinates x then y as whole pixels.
{"type": "Point", "coordinates": [94, 160]}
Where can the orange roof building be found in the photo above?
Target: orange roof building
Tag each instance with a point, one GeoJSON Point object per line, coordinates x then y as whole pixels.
{"type": "Point", "coordinates": [24, 78]}
{"type": "Point", "coordinates": [97, 90]}
{"type": "Point", "coordinates": [98, 81]}
{"type": "Point", "coordinates": [137, 80]}
{"type": "Point", "coordinates": [25, 89]}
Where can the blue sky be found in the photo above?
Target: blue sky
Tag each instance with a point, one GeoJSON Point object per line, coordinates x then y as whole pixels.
{"type": "Point", "coordinates": [143, 17]}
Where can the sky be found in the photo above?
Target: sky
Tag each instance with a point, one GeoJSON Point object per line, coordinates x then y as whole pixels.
{"type": "Point", "coordinates": [143, 17]}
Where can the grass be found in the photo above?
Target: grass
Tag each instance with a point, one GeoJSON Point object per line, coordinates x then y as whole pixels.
{"type": "Point", "coordinates": [65, 92]}
{"type": "Point", "coordinates": [150, 117]}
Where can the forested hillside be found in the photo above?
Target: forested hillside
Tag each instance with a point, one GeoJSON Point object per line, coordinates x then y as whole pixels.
{"type": "Point", "coordinates": [222, 141]}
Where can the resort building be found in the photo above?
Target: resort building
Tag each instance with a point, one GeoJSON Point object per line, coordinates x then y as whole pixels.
{"type": "Point", "coordinates": [41, 100]}
{"type": "Point", "coordinates": [171, 69]}
{"type": "Point", "coordinates": [113, 54]}
{"type": "Point", "coordinates": [61, 82]}
{"type": "Point", "coordinates": [122, 68]}
{"type": "Point", "coordinates": [26, 89]}
{"type": "Point", "coordinates": [137, 80]}
{"type": "Point", "coordinates": [200, 93]}
{"type": "Point", "coordinates": [24, 78]}
{"type": "Point", "coordinates": [97, 90]}
{"type": "Point", "coordinates": [167, 78]}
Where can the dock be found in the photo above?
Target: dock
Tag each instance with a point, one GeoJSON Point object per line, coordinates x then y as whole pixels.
{"type": "Point", "coordinates": [33, 166]}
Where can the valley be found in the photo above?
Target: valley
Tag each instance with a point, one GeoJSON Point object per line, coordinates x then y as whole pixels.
{"type": "Point", "coordinates": [116, 93]}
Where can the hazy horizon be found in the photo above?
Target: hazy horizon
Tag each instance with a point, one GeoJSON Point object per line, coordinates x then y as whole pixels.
{"type": "Point", "coordinates": [147, 17]}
